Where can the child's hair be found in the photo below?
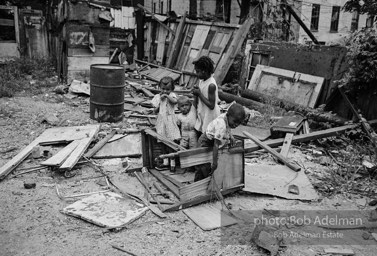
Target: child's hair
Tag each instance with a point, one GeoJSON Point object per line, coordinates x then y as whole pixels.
{"type": "Point", "coordinates": [183, 100]}
{"type": "Point", "coordinates": [237, 111]}
{"type": "Point", "coordinates": [205, 63]}
{"type": "Point", "coordinates": [167, 80]}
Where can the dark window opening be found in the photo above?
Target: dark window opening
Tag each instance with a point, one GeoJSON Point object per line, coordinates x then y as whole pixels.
{"type": "Point", "coordinates": [335, 19]}
{"type": "Point", "coordinates": [355, 21]}
{"type": "Point", "coordinates": [161, 7]}
{"type": "Point", "coordinates": [316, 8]}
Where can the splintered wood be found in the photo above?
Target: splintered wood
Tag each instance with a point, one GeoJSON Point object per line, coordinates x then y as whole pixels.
{"type": "Point", "coordinates": [81, 136]}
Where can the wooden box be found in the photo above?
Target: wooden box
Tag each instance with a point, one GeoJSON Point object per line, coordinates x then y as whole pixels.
{"type": "Point", "coordinates": [229, 175]}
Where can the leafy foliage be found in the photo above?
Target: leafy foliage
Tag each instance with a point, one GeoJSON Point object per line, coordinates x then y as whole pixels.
{"type": "Point", "coordinates": [362, 60]}
{"type": "Point", "coordinates": [362, 6]}
{"type": "Point", "coordinates": [15, 75]}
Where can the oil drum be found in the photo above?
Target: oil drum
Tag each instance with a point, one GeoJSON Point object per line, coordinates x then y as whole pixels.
{"type": "Point", "coordinates": [106, 92]}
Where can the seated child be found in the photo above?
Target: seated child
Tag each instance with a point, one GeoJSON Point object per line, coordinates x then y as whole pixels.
{"type": "Point", "coordinates": [218, 135]}
{"type": "Point", "coordinates": [186, 120]}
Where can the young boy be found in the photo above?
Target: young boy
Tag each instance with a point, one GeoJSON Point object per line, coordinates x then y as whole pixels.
{"type": "Point", "coordinates": [186, 120]}
{"type": "Point", "coordinates": [217, 135]}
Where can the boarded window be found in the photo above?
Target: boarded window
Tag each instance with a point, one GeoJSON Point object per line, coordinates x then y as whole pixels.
{"type": "Point", "coordinates": [335, 19]}
{"type": "Point", "coordinates": [355, 21]}
{"type": "Point", "coordinates": [315, 17]}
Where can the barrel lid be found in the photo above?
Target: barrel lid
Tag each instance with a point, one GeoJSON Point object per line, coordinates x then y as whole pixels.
{"type": "Point", "coordinates": [106, 66]}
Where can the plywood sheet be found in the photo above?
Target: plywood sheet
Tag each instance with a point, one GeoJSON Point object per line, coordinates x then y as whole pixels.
{"type": "Point", "coordinates": [129, 145]}
{"type": "Point", "coordinates": [299, 88]}
{"type": "Point", "coordinates": [106, 210]}
{"type": "Point", "coordinates": [207, 217]}
{"type": "Point", "coordinates": [275, 179]}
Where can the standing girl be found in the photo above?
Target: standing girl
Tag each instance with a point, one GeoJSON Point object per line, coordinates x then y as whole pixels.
{"type": "Point", "coordinates": [164, 103]}
{"type": "Point", "coordinates": [206, 94]}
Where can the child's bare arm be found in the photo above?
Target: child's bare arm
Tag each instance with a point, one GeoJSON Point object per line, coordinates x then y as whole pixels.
{"type": "Point", "coordinates": [172, 100]}
{"type": "Point", "coordinates": [215, 155]}
{"type": "Point", "coordinates": [211, 101]}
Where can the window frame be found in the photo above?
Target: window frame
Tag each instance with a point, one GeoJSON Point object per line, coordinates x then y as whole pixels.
{"type": "Point", "coordinates": [314, 21]}
{"type": "Point", "coordinates": [334, 25]}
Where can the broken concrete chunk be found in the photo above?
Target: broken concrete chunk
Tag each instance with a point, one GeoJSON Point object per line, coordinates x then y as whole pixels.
{"type": "Point", "coordinates": [29, 185]}
{"type": "Point", "coordinates": [50, 119]}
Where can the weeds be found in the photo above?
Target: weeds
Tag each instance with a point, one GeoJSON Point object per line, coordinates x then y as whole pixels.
{"type": "Point", "coordinates": [15, 75]}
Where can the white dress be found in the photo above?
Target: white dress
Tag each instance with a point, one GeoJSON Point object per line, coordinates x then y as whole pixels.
{"type": "Point", "coordinates": [166, 124]}
{"type": "Point", "coordinates": [205, 114]}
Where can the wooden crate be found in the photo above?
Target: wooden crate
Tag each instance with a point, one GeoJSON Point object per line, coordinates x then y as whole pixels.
{"type": "Point", "coordinates": [229, 175]}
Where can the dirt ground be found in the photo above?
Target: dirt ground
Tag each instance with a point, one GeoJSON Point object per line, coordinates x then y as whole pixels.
{"type": "Point", "coordinates": [32, 222]}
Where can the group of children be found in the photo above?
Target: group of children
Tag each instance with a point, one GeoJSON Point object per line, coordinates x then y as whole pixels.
{"type": "Point", "coordinates": [200, 123]}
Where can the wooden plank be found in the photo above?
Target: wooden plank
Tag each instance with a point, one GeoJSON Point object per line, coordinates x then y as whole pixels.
{"type": "Point", "coordinates": [100, 144]}
{"type": "Point", "coordinates": [195, 201]}
{"type": "Point", "coordinates": [286, 144]}
{"type": "Point", "coordinates": [299, 88]}
{"type": "Point", "coordinates": [146, 186]}
{"type": "Point", "coordinates": [175, 44]}
{"type": "Point", "coordinates": [174, 189]}
{"type": "Point", "coordinates": [304, 137]}
{"type": "Point", "coordinates": [62, 155]}
{"type": "Point", "coordinates": [273, 152]}
{"type": "Point", "coordinates": [16, 160]}
{"type": "Point", "coordinates": [129, 145]}
{"type": "Point", "coordinates": [164, 140]}
{"type": "Point", "coordinates": [52, 135]}
{"type": "Point", "coordinates": [227, 59]}
{"type": "Point", "coordinates": [207, 217]}
{"type": "Point", "coordinates": [73, 158]}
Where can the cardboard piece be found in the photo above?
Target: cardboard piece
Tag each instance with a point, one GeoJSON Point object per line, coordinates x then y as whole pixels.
{"type": "Point", "coordinates": [106, 210]}
{"type": "Point", "coordinates": [207, 217]}
{"type": "Point", "coordinates": [275, 180]}
{"type": "Point", "coordinates": [129, 145]}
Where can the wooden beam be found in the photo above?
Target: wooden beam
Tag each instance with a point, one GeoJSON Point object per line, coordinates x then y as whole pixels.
{"type": "Point", "coordinates": [198, 200]}
{"type": "Point", "coordinates": [146, 186]}
{"type": "Point", "coordinates": [286, 144]}
{"type": "Point", "coordinates": [176, 43]}
{"type": "Point", "coordinates": [100, 144]}
{"type": "Point", "coordinates": [302, 24]}
{"type": "Point", "coordinates": [164, 140]}
{"type": "Point", "coordinates": [166, 182]}
{"type": "Point", "coordinates": [227, 59]}
{"type": "Point", "coordinates": [273, 152]}
{"type": "Point", "coordinates": [156, 19]}
{"type": "Point", "coordinates": [304, 137]}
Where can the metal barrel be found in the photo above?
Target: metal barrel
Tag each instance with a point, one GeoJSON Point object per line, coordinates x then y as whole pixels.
{"type": "Point", "coordinates": [106, 92]}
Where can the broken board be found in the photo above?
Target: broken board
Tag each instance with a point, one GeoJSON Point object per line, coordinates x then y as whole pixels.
{"type": "Point", "coordinates": [129, 145]}
{"type": "Point", "coordinates": [108, 210]}
{"type": "Point", "coordinates": [299, 88]}
{"type": "Point", "coordinates": [50, 136]}
{"type": "Point", "coordinates": [207, 217]}
{"type": "Point", "coordinates": [275, 179]}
